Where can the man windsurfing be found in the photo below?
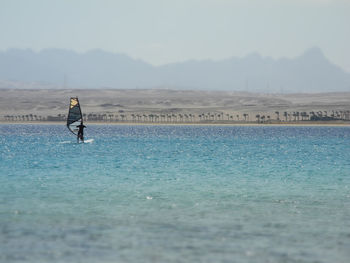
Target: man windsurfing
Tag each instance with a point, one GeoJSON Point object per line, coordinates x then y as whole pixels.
{"type": "Point", "coordinates": [75, 119]}
{"type": "Point", "coordinates": [80, 132]}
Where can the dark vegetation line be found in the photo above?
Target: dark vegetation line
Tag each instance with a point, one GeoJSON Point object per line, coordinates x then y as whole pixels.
{"type": "Point", "coordinates": [207, 117]}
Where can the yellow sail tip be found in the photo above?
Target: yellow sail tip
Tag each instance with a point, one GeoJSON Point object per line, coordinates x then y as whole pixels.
{"type": "Point", "coordinates": [73, 102]}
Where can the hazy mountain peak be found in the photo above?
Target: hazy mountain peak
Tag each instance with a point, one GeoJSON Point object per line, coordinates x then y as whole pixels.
{"type": "Point", "coordinates": [313, 53]}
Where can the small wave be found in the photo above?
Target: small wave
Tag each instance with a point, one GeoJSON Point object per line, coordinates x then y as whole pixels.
{"type": "Point", "coordinates": [65, 142]}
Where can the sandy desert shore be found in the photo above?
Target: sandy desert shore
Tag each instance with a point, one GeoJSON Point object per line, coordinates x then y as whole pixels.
{"type": "Point", "coordinates": [115, 102]}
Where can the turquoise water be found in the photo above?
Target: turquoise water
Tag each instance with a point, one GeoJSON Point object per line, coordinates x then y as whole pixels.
{"type": "Point", "coordinates": [175, 194]}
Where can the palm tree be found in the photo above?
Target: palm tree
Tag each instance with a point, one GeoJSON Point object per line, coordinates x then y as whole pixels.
{"type": "Point", "coordinates": [245, 115]}
{"type": "Point", "coordinates": [312, 113]}
{"type": "Point", "coordinates": [208, 116]}
{"type": "Point", "coordinates": [337, 114]}
{"type": "Point", "coordinates": [258, 118]}
{"type": "Point", "coordinates": [186, 117]}
{"type": "Point", "coordinates": [181, 117]}
{"type": "Point", "coordinates": [346, 115]}
{"type": "Point", "coordinates": [162, 117]}
{"type": "Point", "coordinates": [221, 116]}
{"type": "Point", "coordinates": [277, 115]}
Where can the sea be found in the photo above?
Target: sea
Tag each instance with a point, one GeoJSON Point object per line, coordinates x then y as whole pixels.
{"type": "Point", "coordinates": [138, 193]}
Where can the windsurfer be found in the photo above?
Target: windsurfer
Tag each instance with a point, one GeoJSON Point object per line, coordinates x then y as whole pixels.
{"type": "Point", "coordinates": [81, 132]}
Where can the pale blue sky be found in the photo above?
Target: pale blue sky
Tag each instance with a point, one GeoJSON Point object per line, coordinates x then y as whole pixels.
{"type": "Point", "coordinates": [163, 31]}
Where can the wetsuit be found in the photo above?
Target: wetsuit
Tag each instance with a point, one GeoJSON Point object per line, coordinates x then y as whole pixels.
{"type": "Point", "coordinates": [81, 132]}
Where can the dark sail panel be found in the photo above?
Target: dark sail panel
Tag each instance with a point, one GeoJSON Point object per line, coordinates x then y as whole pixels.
{"type": "Point", "coordinates": [75, 117]}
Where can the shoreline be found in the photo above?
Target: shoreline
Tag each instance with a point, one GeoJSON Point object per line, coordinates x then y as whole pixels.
{"type": "Point", "coordinates": [275, 124]}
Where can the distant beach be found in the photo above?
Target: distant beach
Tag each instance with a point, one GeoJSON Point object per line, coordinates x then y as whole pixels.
{"type": "Point", "coordinates": [162, 106]}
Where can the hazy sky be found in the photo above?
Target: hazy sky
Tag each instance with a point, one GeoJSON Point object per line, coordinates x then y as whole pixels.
{"type": "Point", "coordinates": [163, 31]}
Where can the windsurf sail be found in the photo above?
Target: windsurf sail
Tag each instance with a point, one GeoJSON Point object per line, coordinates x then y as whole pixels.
{"type": "Point", "coordinates": [75, 118]}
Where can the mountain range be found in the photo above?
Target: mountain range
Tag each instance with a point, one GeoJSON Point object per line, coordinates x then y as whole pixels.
{"type": "Point", "coordinates": [58, 68]}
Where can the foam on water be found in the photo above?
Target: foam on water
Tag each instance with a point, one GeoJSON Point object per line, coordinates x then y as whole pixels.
{"type": "Point", "coordinates": [175, 194]}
